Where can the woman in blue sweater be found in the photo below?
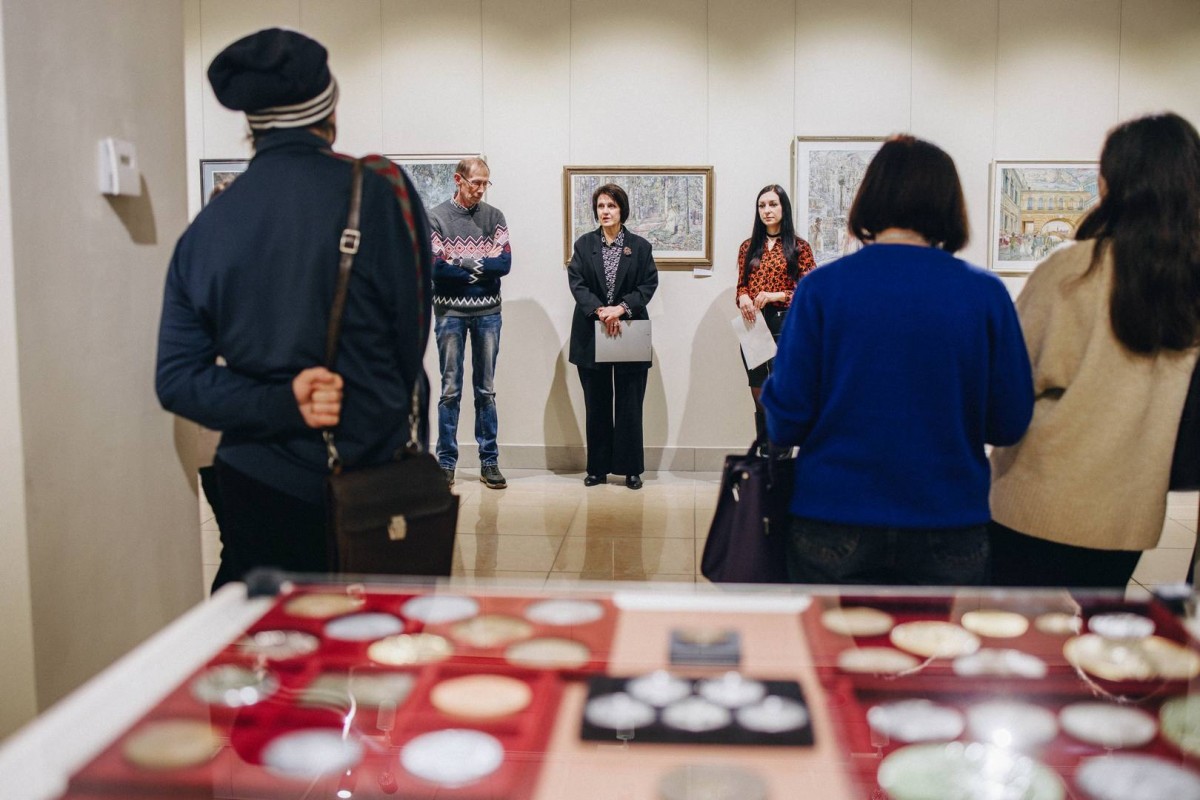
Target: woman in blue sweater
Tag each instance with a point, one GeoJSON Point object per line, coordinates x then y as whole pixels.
{"type": "Point", "coordinates": [896, 365]}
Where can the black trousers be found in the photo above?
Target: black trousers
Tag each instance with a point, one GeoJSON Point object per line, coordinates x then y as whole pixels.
{"type": "Point", "coordinates": [1022, 560]}
{"type": "Point", "coordinates": [264, 527]}
{"type": "Point", "coordinates": [612, 400]}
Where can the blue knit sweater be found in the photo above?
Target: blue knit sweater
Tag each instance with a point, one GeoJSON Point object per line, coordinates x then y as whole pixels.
{"type": "Point", "coordinates": [895, 366]}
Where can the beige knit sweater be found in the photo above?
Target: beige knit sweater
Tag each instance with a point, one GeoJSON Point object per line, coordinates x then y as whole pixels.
{"type": "Point", "coordinates": [1092, 470]}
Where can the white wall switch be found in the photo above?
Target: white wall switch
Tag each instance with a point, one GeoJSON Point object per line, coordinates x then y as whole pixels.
{"type": "Point", "coordinates": [118, 168]}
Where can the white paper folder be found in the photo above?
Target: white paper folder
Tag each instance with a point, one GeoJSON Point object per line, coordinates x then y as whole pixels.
{"type": "Point", "coordinates": [632, 344]}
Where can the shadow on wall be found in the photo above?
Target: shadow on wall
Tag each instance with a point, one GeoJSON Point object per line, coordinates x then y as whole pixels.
{"type": "Point", "coordinates": [136, 214]}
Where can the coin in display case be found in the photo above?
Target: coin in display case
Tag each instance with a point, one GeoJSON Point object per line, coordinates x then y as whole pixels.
{"type": "Point", "coordinates": [1011, 723]}
{"type": "Point", "coordinates": [659, 688]}
{"type": "Point", "coordinates": [410, 648]}
{"type": "Point", "coordinates": [368, 689]}
{"type": "Point", "coordinates": [363, 627]}
{"type": "Point", "coordinates": [857, 621]}
{"type": "Point", "coordinates": [995, 624]}
{"type": "Point", "coordinates": [916, 721]}
{"type": "Point", "coordinates": [434, 609]}
{"type": "Point", "coordinates": [774, 714]}
{"type": "Point", "coordinates": [711, 782]}
{"type": "Point", "coordinates": [548, 653]}
{"type": "Point", "coordinates": [491, 630]}
{"type": "Point", "coordinates": [696, 715]}
{"type": "Point", "coordinates": [876, 661]}
{"type": "Point", "coordinates": [934, 639]}
{"type": "Point", "coordinates": [732, 690]}
{"type": "Point", "coordinates": [453, 757]}
{"type": "Point", "coordinates": [564, 612]}
{"type": "Point", "coordinates": [311, 753]}
{"type": "Point", "coordinates": [322, 606]}
{"type": "Point", "coordinates": [1121, 625]}
{"type": "Point", "coordinates": [481, 696]}
{"type": "Point", "coordinates": [1180, 718]}
{"type": "Point", "coordinates": [171, 744]}
{"type": "Point", "coordinates": [968, 771]}
{"type": "Point", "coordinates": [1057, 623]}
{"type": "Point", "coordinates": [278, 645]}
{"type": "Point", "coordinates": [234, 686]}
{"type": "Point", "coordinates": [618, 712]}
{"type": "Point", "coordinates": [1131, 660]}
{"type": "Point", "coordinates": [1108, 725]}
{"type": "Point", "coordinates": [1126, 776]}
{"type": "Point", "coordinates": [999, 663]}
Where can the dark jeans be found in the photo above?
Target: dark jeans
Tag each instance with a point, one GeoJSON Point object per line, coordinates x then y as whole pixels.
{"type": "Point", "coordinates": [612, 400]}
{"type": "Point", "coordinates": [1022, 560]}
{"type": "Point", "coordinates": [824, 552]}
{"type": "Point", "coordinates": [452, 334]}
{"type": "Point", "coordinates": [264, 527]}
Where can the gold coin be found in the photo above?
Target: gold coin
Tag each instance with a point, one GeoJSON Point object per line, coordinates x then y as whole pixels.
{"type": "Point", "coordinates": [410, 648]}
{"type": "Point", "coordinates": [875, 661]}
{"type": "Point", "coordinates": [491, 630]}
{"type": "Point", "coordinates": [172, 744]}
{"type": "Point", "coordinates": [857, 621]}
{"type": "Point", "coordinates": [322, 606]}
{"type": "Point", "coordinates": [934, 639]}
{"type": "Point", "coordinates": [481, 696]}
{"type": "Point", "coordinates": [1143, 660]}
{"type": "Point", "coordinates": [995, 624]}
{"type": "Point", "coordinates": [548, 653]}
{"type": "Point", "coordinates": [1057, 623]}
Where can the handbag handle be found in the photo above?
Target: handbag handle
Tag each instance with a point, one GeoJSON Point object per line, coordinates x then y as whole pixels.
{"type": "Point", "coordinates": [348, 247]}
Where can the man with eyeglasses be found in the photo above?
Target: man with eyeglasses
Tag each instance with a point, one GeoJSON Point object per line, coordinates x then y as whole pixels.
{"type": "Point", "coordinates": [471, 254]}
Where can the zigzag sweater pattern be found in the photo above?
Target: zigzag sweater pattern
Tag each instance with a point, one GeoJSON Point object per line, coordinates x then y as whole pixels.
{"type": "Point", "coordinates": [466, 280]}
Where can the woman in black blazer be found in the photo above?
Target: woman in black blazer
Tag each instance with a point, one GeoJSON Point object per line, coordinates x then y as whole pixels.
{"type": "Point", "coordinates": [612, 276]}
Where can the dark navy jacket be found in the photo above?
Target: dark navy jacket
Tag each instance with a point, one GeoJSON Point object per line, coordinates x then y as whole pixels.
{"type": "Point", "coordinates": [252, 281]}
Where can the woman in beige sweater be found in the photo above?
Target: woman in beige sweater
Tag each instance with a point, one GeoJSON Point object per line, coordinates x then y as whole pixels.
{"type": "Point", "coordinates": [1111, 324]}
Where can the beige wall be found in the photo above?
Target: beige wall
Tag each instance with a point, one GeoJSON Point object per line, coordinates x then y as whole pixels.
{"type": "Point", "coordinates": [536, 84]}
{"type": "Point", "coordinates": [110, 518]}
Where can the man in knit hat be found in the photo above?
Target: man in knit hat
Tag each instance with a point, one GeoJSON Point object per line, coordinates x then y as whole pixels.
{"type": "Point", "coordinates": [252, 282]}
{"type": "Point", "coordinates": [471, 255]}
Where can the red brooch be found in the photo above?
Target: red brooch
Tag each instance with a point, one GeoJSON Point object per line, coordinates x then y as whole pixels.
{"type": "Point", "coordinates": [628, 252]}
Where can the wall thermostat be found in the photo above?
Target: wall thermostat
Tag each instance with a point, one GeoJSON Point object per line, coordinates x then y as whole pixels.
{"type": "Point", "coordinates": [118, 168]}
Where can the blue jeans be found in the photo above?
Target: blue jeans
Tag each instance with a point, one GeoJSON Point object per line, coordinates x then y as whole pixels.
{"type": "Point", "coordinates": [825, 552]}
{"type": "Point", "coordinates": [452, 333]}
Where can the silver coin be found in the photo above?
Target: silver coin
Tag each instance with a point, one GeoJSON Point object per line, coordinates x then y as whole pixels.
{"type": "Point", "coordinates": [659, 688]}
{"type": "Point", "coordinates": [452, 758]}
{"type": "Point", "coordinates": [1136, 777]}
{"type": "Point", "coordinates": [363, 627]}
{"type": "Point", "coordinates": [916, 721]}
{"type": "Point", "coordinates": [696, 715]}
{"type": "Point", "coordinates": [564, 612]}
{"type": "Point", "coordinates": [711, 782]}
{"type": "Point", "coordinates": [1121, 626]}
{"type": "Point", "coordinates": [278, 645]}
{"type": "Point", "coordinates": [368, 689]}
{"type": "Point", "coordinates": [311, 753]}
{"type": "Point", "coordinates": [732, 690]}
{"type": "Point", "coordinates": [1011, 723]}
{"type": "Point", "coordinates": [234, 686]}
{"type": "Point", "coordinates": [966, 772]}
{"type": "Point", "coordinates": [1001, 664]}
{"type": "Point", "coordinates": [618, 712]}
{"type": "Point", "coordinates": [434, 609]}
{"type": "Point", "coordinates": [774, 714]}
{"type": "Point", "coordinates": [1108, 725]}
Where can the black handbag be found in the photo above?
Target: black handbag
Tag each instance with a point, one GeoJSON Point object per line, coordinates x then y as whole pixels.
{"type": "Point", "coordinates": [1185, 463]}
{"type": "Point", "coordinates": [747, 541]}
{"type": "Point", "coordinates": [395, 518]}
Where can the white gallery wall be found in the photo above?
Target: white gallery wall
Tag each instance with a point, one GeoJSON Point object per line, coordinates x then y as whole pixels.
{"type": "Point", "coordinates": [98, 545]}
{"type": "Point", "coordinates": [539, 84]}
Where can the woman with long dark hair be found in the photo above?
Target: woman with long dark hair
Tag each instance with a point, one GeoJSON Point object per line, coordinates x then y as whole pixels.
{"type": "Point", "coordinates": [770, 263]}
{"type": "Point", "coordinates": [1112, 323]}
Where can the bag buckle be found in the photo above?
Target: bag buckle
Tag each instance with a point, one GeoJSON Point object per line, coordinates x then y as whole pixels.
{"type": "Point", "coordinates": [349, 242]}
{"type": "Point", "coordinates": [398, 528]}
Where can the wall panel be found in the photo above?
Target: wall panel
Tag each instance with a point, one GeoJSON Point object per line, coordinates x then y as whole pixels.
{"type": "Point", "coordinates": [1159, 67]}
{"type": "Point", "coordinates": [352, 31]}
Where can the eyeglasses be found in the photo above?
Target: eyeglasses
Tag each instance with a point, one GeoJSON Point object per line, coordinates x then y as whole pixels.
{"type": "Point", "coordinates": [479, 183]}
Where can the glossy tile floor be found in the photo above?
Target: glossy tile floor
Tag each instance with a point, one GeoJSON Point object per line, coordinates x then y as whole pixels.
{"type": "Point", "coordinates": [547, 527]}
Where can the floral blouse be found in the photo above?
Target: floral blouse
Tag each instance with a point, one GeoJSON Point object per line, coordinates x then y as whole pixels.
{"type": "Point", "coordinates": [771, 273]}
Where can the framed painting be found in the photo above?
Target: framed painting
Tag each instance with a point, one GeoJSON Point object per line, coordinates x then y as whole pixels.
{"type": "Point", "coordinates": [216, 175]}
{"type": "Point", "coordinates": [1036, 207]}
{"type": "Point", "coordinates": [826, 173]}
{"type": "Point", "coordinates": [433, 175]}
{"type": "Point", "coordinates": [671, 207]}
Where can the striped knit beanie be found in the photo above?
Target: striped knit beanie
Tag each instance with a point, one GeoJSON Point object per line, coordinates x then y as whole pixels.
{"type": "Point", "coordinates": [280, 78]}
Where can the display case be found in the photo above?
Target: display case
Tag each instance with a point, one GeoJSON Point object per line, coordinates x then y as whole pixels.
{"type": "Point", "coordinates": [392, 689]}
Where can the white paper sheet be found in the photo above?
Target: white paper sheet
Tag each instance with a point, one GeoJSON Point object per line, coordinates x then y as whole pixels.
{"type": "Point", "coordinates": [758, 345]}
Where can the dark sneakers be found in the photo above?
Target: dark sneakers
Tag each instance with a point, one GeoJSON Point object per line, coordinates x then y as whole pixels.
{"type": "Point", "coordinates": [490, 477]}
{"type": "Point", "coordinates": [449, 473]}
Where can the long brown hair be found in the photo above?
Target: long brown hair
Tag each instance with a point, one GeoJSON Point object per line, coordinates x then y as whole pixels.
{"type": "Point", "coordinates": [1149, 219]}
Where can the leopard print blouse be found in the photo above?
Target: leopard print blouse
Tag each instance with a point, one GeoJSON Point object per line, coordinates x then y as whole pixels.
{"type": "Point", "coordinates": [771, 273]}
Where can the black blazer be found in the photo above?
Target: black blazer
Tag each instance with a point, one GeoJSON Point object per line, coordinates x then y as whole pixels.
{"type": "Point", "coordinates": [637, 278]}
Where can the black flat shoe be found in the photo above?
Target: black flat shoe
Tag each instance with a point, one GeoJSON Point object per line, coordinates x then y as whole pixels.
{"type": "Point", "coordinates": [594, 480]}
{"type": "Point", "coordinates": [633, 481]}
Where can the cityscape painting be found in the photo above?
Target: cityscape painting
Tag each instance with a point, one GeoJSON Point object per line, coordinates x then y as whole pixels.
{"type": "Point", "coordinates": [671, 207]}
{"type": "Point", "coordinates": [1036, 208]}
{"type": "Point", "coordinates": [826, 175]}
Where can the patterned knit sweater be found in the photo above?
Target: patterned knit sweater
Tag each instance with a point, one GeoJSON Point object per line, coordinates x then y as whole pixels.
{"type": "Point", "coordinates": [466, 276]}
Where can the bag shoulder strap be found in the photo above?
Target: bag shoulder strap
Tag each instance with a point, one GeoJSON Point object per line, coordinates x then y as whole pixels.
{"type": "Point", "coordinates": [348, 246]}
